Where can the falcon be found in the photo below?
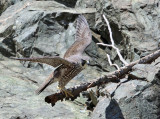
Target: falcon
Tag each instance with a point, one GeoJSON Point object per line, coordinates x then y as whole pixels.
{"type": "Point", "coordinates": [73, 61]}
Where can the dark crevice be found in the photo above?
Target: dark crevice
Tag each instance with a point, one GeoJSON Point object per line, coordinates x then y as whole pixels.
{"type": "Point", "coordinates": [40, 52]}
{"type": "Point", "coordinates": [6, 53]}
{"type": "Point", "coordinates": [68, 3]}
{"type": "Point", "coordinates": [65, 18]}
{"type": "Point", "coordinates": [113, 111]}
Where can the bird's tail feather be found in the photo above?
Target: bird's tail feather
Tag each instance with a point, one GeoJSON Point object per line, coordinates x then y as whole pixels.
{"type": "Point", "coordinates": [49, 81]}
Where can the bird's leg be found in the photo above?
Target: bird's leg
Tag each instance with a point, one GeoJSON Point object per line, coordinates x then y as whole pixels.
{"type": "Point", "coordinates": [67, 93]}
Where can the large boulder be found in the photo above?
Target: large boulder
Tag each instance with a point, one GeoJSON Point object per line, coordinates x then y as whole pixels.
{"type": "Point", "coordinates": [137, 97]}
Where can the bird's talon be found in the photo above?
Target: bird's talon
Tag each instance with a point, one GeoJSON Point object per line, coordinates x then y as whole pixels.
{"type": "Point", "coordinates": [67, 93]}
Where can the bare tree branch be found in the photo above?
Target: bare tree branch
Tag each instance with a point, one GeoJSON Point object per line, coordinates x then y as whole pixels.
{"type": "Point", "coordinates": [112, 42]}
{"type": "Point", "coordinates": [110, 63]}
{"type": "Point", "coordinates": [112, 77]}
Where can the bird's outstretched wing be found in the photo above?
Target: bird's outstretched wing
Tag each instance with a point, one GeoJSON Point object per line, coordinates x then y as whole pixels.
{"type": "Point", "coordinates": [83, 38]}
{"type": "Point", "coordinates": [53, 61]}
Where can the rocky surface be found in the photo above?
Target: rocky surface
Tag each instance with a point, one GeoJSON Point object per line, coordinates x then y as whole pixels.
{"type": "Point", "coordinates": [46, 28]}
{"type": "Point", "coordinates": [4, 4]}
{"type": "Point", "coordinates": [135, 25]}
{"type": "Point", "coordinates": [18, 98]}
{"type": "Point", "coordinates": [134, 98]}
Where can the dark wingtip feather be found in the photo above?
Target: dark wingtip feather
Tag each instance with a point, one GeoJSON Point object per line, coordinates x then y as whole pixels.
{"type": "Point", "coordinates": [14, 58]}
{"type": "Point", "coordinates": [38, 92]}
{"type": "Point", "coordinates": [40, 89]}
{"type": "Point", "coordinates": [23, 59]}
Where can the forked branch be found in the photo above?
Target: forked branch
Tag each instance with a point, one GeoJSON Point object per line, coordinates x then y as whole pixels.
{"type": "Point", "coordinates": [112, 45]}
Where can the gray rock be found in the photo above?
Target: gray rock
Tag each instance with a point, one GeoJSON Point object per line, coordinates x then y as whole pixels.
{"type": "Point", "coordinates": [39, 30]}
{"type": "Point", "coordinates": [133, 98]}
{"type": "Point", "coordinates": [99, 111]}
{"type": "Point", "coordinates": [109, 89]}
{"type": "Point", "coordinates": [47, 28]}
{"type": "Point", "coordinates": [107, 109]}
{"type": "Point", "coordinates": [4, 4]}
{"type": "Point", "coordinates": [144, 71]}
{"type": "Point", "coordinates": [36, 28]}
{"type": "Point", "coordinates": [135, 88]}
{"type": "Point", "coordinates": [134, 26]}
{"type": "Point", "coordinates": [144, 106]}
{"type": "Point", "coordinates": [18, 99]}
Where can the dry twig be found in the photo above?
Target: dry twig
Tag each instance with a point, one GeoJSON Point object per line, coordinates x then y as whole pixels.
{"type": "Point", "coordinates": [110, 63]}
{"type": "Point", "coordinates": [112, 45]}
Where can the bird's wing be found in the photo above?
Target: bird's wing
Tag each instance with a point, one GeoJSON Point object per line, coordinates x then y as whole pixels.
{"type": "Point", "coordinates": [53, 61]}
{"type": "Point", "coordinates": [83, 38]}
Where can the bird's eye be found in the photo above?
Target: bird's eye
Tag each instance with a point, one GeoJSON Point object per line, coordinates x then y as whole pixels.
{"type": "Point", "coordinates": [83, 62]}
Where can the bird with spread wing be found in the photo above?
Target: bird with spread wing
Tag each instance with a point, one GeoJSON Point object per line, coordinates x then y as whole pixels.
{"type": "Point", "coordinates": [73, 61]}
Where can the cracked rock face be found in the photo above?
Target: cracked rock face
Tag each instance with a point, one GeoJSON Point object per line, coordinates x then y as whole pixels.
{"type": "Point", "coordinates": [30, 28]}
{"type": "Point", "coordinates": [135, 26]}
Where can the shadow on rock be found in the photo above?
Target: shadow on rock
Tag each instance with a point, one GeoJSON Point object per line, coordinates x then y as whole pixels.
{"type": "Point", "coordinates": [113, 111]}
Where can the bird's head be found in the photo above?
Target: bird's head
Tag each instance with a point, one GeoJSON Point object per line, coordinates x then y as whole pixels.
{"type": "Point", "coordinates": [84, 63]}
